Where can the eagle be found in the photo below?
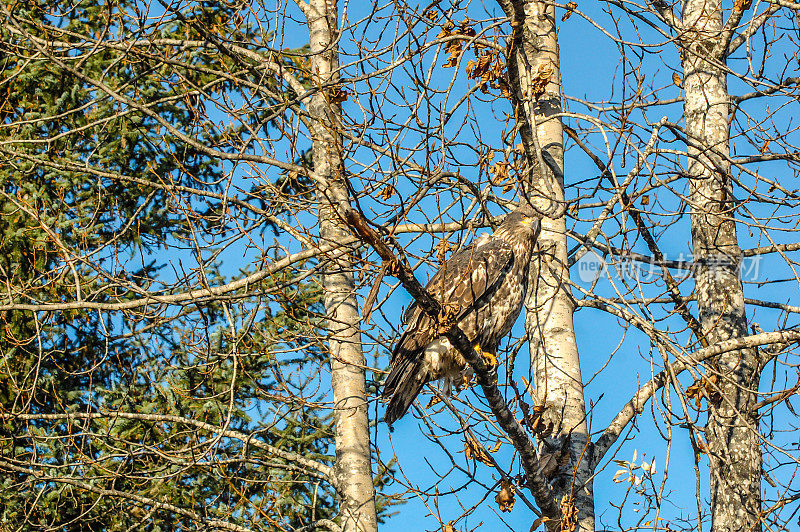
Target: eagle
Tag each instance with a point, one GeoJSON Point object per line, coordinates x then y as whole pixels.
{"type": "Point", "coordinates": [482, 288]}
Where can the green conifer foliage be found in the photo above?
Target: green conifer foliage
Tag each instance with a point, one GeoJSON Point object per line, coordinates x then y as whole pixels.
{"type": "Point", "coordinates": [112, 157]}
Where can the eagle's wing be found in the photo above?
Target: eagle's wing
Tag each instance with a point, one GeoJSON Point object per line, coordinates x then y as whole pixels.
{"type": "Point", "coordinates": [462, 284]}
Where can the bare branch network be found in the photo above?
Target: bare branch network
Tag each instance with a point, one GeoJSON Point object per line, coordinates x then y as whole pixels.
{"type": "Point", "coordinates": [213, 215]}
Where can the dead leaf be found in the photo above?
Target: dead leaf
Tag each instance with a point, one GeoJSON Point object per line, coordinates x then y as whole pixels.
{"type": "Point", "coordinates": [534, 421]}
{"type": "Point", "coordinates": [434, 400]}
{"type": "Point", "coordinates": [548, 465]}
{"type": "Point", "coordinates": [705, 387]}
{"type": "Point", "coordinates": [477, 67]}
{"type": "Point", "coordinates": [338, 95]}
{"type": "Point", "coordinates": [455, 47]}
{"type": "Point", "coordinates": [447, 27]}
{"type": "Point", "coordinates": [742, 5]}
{"type": "Point", "coordinates": [505, 498]}
{"type": "Point", "coordinates": [676, 79]}
{"type": "Point", "coordinates": [645, 200]}
{"type": "Point", "coordinates": [442, 248]}
{"type": "Point", "coordinates": [701, 446]}
{"type": "Point", "coordinates": [500, 172]}
{"type": "Point", "coordinates": [485, 158]}
{"type": "Point", "coordinates": [569, 514]}
{"type": "Point", "coordinates": [764, 147]}
{"type": "Point", "coordinates": [539, 522]}
{"type": "Point", "coordinates": [387, 192]}
{"type": "Point", "coordinates": [695, 392]}
{"type": "Point", "coordinates": [570, 9]}
{"type": "Point", "coordinates": [540, 81]}
{"type": "Point", "coordinates": [473, 450]}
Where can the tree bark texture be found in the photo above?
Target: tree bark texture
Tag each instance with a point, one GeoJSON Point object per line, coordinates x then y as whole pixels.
{"type": "Point", "coordinates": [732, 430]}
{"type": "Point", "coordinates": [534, 78]}
{"type": "Point", "coordinates": [353, 470]}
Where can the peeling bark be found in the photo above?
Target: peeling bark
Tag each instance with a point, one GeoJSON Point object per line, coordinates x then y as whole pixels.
{"type": "Point", "coordinates": [732, 428]}
{"type": "Point", "coordinates": [534, 77]}
{"type": "Point", "coordinates": [352, 470]}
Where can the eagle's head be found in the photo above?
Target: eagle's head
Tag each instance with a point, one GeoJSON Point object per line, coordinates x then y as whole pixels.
{"type": "Point", "coordinates": [522, 225]}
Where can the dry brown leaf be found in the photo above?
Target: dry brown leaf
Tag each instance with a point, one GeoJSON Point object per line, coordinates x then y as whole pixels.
{"type": "Point", "coordinates": [477, 68]}
{"type": "Point", "coordinates": [434, 400]}
{"type": "Point", "coordinates": [455, 53]}
{"type": "Point", "coordinates": [431, 14]}
{"type": "Point", "coordinates": [548, 465]}
{"type": "Point", "coordinates": [442, 248]}
{"type": "Point", "coordinates": [500, 172]}
{"type": "Point", "coordinates": [570, 9]}
{"type": "Point", "coordinates": [764, 147]}
{"type": "Point", "coordinates": [465, 28]}
{"type": "Point", "coordinates": [695, 391]}
{"type": "Point", "coordinates": [676, 79]}
{"type": "Point", "coordinates": [447, 28]}
{"type": "Point", "coordinates": [705, 387]}
{"type": "Point", "coordinates": [540, 81]}
{"type": "Point", "coordinates": [533, 418]}
{"type": "Point", "coordinates": [645, 200]}
{"type": "Point", "coordinates": [473, 450]}
{"type": "Point", "coordinates": [742, 5]}
{"type": "Point", "coordinates": [484, 158]}
{"type": "Point", "coordinates": [539, 522]}
{"type": "Point", "coordinates": [505, 498]}
{"type": "Point", "coordinates": [387, 192]}
{"type": "Point", "coordinates": [701, 446]}
{"type": "Point", "coordinates": [569, 515]}
{"type": "Point", "coordinates": [504, 89]}
{"type": "Point", "coordinates": [456, 47]}
{"type": "Point", "coordinates": [338, 95]}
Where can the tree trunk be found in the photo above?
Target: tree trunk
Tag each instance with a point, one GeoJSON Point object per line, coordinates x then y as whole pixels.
{"type": "Point", "coordinates": [534, 62]}
{"type": "Point", "coordinates": [732, 429]}
{"type": "Point", "coordinates": [353, 464]}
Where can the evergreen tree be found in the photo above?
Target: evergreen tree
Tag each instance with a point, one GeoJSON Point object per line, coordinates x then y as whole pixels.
{"type": "Point", "coordinates": [148, 417]}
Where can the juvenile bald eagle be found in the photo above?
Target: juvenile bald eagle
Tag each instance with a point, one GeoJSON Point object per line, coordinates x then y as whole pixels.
{"type": "Point", "coordinates": [483, 286]}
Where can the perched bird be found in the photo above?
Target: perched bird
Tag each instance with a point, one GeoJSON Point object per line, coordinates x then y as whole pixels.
{"type": "Point", "coordinates": [482, 289]}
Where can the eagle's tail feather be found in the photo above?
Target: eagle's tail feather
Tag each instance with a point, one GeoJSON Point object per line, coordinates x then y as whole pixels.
{"type": "Point", "coordinates": [403, 384]}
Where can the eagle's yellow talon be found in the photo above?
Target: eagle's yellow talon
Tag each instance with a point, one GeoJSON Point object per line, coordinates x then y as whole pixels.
{"type": "Point", "coordinates": [490, 359]}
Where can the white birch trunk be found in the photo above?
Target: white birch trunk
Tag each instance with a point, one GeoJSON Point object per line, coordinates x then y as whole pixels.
{"type": "Point", "coordinates": [353, 469]}
{"type": "Point", "coordinates": [549, 307]}
{"type": "Point", "coordinates": [732, 429]}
